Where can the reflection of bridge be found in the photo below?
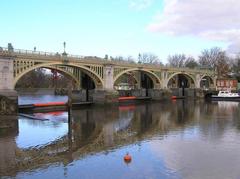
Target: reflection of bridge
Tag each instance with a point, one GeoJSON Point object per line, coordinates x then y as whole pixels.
{"type": "Point", "coordinates": [90, 134]}
{"type": "Point", "coordinates": [104, 73]}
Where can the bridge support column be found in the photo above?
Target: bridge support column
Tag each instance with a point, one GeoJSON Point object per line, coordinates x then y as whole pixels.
{"type": "Point", "coordinates": [108, 77]}
{"type": "Point", "coordinates": [198, 81]}
{"type": "Point", "coordinates": [164, 80]}
{"type": "Point", "coordinates": [139, 80]}
{"type": "Point", "coordinates": [108, 94]}
{"type": "Point", "coordinates": [8, 96]}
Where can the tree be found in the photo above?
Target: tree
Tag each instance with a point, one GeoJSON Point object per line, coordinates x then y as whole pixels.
{"type": "Point", "coordinates": [41, 78]}
{"type": "Point", "coordinates": [190, 62]}
{"type": "Point", "coordinates": [177, 60]}
{"type": "Point", "coordinates": [148, 58]}
{"type": "Point", "coordinates": [209, 57]}
{"type": "Point", "coordinates": [216, 59]}
{"type": "Point", "coordinates": [222, 66]}
{"type": "Point", "coordinates": [235, 66]}
{"type": "Point", "coordinates": [130, 59]}
{"type": "Point", "coordinates": [119, 58]}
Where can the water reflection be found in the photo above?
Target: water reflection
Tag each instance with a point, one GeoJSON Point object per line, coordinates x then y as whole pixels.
{"type": "Point", "coordinates": [31, 99]}
{"type": "Point", "coordinates": [179, 139]}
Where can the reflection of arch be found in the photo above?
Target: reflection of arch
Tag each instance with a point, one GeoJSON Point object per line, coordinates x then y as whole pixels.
{"type": "Point", "coordinates": [189, 77]}
{"type": "Point", "coordinates": [95, 77]}
{"type": "Point", "coordinates": [152, 75]}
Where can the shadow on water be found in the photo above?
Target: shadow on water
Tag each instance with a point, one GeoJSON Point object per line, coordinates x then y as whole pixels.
{"type": "Point", "coordinates": [97, 130]}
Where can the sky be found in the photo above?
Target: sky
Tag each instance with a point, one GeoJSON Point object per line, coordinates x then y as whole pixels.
{"type": "Point", "coordinates": [121, 27]}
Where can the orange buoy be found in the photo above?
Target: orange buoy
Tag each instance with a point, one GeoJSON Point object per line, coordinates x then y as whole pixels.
{"type": "Point", "coordinates": [49, 104]}
{"type": "Point", "coordinates": [127, 98]}
{"type": "Point", "coordinates": [127, 158]}
{"type": "Point", "coordinates": [174, 97]}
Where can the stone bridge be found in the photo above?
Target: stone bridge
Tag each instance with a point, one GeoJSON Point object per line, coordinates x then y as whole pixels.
{"type": "Point", "coordinates": [106, 74]}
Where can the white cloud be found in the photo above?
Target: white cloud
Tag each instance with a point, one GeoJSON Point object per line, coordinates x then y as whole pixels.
{"type": "Point", "coordinates": [210, 19]}
{"type": "Point", "coordinates": [140, 4]}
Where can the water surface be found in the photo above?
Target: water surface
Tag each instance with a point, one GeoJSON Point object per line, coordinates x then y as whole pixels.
{"type": "Point", "coordinates": [177, 139]}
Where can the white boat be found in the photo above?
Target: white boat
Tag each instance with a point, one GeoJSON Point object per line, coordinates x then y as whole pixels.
{"type": "Point", "coordinates": [226, 95]}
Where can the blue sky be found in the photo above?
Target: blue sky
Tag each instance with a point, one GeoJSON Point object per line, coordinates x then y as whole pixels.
{"type": "Point", "coordinates": [97, 27]}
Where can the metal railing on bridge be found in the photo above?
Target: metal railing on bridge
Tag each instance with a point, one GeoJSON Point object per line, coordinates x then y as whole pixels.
{"type": "Point", "coordinates": [6, 51]}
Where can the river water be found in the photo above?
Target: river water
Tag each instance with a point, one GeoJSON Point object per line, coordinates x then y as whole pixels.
{"type": "Point", "coordinates": [175, 139]}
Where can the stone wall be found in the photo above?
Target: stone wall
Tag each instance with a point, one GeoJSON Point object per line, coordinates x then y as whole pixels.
{"type": "Point", "coordinates": [160, 94]}
{"type": "Point", "coordinates": [105, 97]}
{"type": "Point", "coordinates": [78, 96]}
{"type": "Point", "coordinates": [8, 110]}
{"type": "Point", "coordinates": [8, 105]}
{"type": "Point", "coordinates": [139, 92]}
{"type": "Point", "coordinates": [188, 92]}
{"type": "Point", "coordinates": [135, 92]}
{"type": "Point", "coordinates": [8, 123]}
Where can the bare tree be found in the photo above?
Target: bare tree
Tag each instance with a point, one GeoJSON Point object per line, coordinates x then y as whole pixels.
{"type": "Point", "coordinates": [235, 66]}
{"type": "Point", "coordinates": [148, 58]}
{"type": "Point", "coordinates": [216, 59]}
{"type": "Point", "coordinates": [223, 66]}
{"type": "Point", "coordinates": [130, 59]}
{"type": "Point", "coordinates": [209, 57]}
{"type": "Point", "coordinates": [119, 58]}
{"type": "Point", "coordinates": [190, 62]}
{"type": "Point", "coordinates": [177, 60]}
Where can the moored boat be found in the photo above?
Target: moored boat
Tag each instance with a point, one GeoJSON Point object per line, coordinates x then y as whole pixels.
{"type": "Point", "coordinates": [226, 95]}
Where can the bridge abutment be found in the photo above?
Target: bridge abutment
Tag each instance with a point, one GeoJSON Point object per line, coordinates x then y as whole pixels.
{"type": "Point", "coordinates": [8, 96]}
{"type": "Point", "coordinates": [107, 94]}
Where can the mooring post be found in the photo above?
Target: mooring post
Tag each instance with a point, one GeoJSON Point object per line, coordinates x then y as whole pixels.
{"type": "Point", "coordinates": [69, 108]}
{"type": "Point", "coordinates": [69, 104]}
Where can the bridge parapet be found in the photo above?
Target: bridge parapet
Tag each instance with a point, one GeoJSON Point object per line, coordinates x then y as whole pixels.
{"type": "Point", "coordinates": [93, 59]}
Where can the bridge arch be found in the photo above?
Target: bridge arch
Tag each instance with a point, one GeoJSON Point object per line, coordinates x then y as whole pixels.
{"type": "Point", "coordinates": [155, 79]}
{"type": "Point", "coordinates": [189, 77]}
{"type": "Point", "coordinates": [60, 71]}
{"type": "Point", "coordinates": [98, 81]}
{"type": "Point", "coordinates": [206, 81]}
{"type": "Point", "coordinates": [129, 77]}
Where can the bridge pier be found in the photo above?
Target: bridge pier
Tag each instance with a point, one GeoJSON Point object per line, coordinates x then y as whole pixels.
{"type": "Point", "coordinates": [160, 94]}
{"type": "Point", "coordinates": [8, 96]}
{"type": "Point", "coordinates": [105, 96]}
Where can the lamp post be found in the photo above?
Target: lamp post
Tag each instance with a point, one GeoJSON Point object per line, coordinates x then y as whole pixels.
{"type": "Point", "coordinates": [64, 49]}
{"type": "Point", "coordinates": [64, 46]}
